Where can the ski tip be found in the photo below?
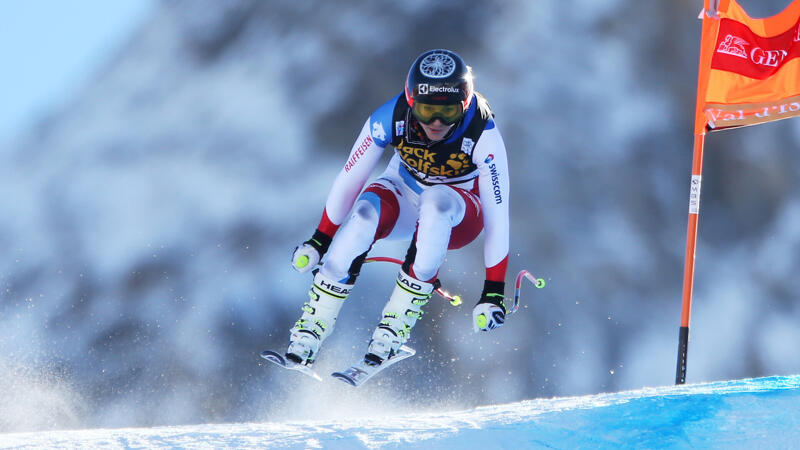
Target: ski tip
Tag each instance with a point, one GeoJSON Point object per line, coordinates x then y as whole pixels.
{"type": "Point", "coordinates": [269, 353]}
{"type": "Point", "coordinates": [343, 377]}
{"type": "Point", "coordinates": [275, 357]}
{"type": "Point", "coordinates": [279, 359]}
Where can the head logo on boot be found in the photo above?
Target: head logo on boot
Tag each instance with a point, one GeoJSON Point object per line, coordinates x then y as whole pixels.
{"type": "Point", "coordinates": [406, 281]}
{"type": "Point", "coordinates": [338, 289]}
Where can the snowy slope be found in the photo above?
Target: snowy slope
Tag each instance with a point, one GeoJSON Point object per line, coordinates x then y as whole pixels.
{"type": "Point", "coordinates": [753, 413]}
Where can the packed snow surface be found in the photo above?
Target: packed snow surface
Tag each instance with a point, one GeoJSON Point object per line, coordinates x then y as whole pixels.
{"type": "Point", "coordinates": [763, 412]}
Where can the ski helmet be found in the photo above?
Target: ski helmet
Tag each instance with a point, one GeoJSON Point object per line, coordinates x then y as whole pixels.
{"type": "Point", "coordinates": [439, 77]}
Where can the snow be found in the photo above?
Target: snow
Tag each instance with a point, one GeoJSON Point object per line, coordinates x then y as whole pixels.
{"type": "Point", "coordinates": [752, 413]}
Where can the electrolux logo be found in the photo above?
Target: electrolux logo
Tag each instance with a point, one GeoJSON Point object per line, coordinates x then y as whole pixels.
{"type": "Point", "coordinates": [425, 88]}
{"type": "Point", "coordinates": [448, 89]}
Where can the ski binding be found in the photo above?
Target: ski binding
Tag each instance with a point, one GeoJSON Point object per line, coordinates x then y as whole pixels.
{"type": "Point", "coordinates": [279, 359]}
{"type": "Point", "coordinates": [362, 371]}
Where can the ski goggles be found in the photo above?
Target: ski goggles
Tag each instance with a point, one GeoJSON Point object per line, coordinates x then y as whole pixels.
{"type": "Point", "coordinates": [448, 114]}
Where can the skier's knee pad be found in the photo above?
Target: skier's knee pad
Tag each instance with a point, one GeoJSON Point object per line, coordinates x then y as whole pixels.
{"type": "Point", "coordinates": [365, 212]}
{"type": "Point", "coordinates": [441, 202]}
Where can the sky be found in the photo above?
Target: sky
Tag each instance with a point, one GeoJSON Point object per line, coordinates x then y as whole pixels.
{"type": "Point", "coordinates": [49, 47]}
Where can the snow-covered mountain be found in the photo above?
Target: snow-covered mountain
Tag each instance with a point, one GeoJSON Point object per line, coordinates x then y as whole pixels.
{"type": "Point", "coordinates": [759, 413]}
{"type": "Point", "coordinates": [147, 224]}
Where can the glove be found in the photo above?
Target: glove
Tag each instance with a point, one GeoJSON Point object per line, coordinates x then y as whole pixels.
{"type": "Point", "coordinates": [490, 312]}
{"type": "Point", "coordinates": [307, 255]}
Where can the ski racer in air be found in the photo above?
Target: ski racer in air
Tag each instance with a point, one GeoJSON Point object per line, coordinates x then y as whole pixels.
{"type": "Point", "coordinates": [446, 182]}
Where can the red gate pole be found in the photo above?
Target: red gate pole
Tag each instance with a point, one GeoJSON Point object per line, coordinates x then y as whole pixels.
{"type": "Point", "coordinates": [688, 265]}
{"type": "Point", "coordinates": [707, 46]}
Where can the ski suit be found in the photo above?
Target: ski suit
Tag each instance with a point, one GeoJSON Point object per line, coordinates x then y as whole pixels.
{"type": "Point", "coordinates": [439, 195]}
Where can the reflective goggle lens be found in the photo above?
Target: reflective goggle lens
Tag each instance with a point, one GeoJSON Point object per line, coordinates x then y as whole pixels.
{"type": "Point", "coordinates": [448, 114]}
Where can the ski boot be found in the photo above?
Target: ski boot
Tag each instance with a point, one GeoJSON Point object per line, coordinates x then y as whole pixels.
{"type": "Point", "coordinates": [399, 316]}
{"type": "Point", "coordinates": [326, 298]}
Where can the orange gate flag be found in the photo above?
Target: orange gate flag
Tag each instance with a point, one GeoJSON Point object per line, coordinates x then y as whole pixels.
{"type": "Point", "coordinates": [749, 68]}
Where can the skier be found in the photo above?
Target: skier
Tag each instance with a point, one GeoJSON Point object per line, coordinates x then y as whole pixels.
{"type": "Point", "coordinates": [447, 181]}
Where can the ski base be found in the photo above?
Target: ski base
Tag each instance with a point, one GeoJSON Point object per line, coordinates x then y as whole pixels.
{"type": "Point", "coordinates": [279, 359]}
{"type": "Point", "coordinates": [362, 371]}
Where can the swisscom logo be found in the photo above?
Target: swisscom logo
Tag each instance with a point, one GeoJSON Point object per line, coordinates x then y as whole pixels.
{"type": "Point", "coordinates": [498, 193]}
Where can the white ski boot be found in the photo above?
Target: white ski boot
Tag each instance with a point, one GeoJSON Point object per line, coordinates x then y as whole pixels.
{"type": "Point", "coordinates": [399, 316]}
{"type": "Point", "coordinates": [326, 298]}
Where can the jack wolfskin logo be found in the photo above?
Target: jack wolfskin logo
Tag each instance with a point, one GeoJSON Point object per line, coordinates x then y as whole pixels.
{"type": "Point", "coordinates": [457, 160]}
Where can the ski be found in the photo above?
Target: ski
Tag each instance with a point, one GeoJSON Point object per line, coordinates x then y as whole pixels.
{"type": "Point", "coordinates": [362, 371]}
{"type": "Point", "coordinates": [279, 359]}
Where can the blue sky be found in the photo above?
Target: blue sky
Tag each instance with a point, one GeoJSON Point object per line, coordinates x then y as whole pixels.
{"type": "Point", "coordinates": [47, 47]}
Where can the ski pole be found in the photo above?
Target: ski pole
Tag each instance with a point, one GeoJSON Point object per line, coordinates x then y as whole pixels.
{"type": "Point", "coordinates": [454, 299]}
{"type": "Point", "coordinates": [538, 282]}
